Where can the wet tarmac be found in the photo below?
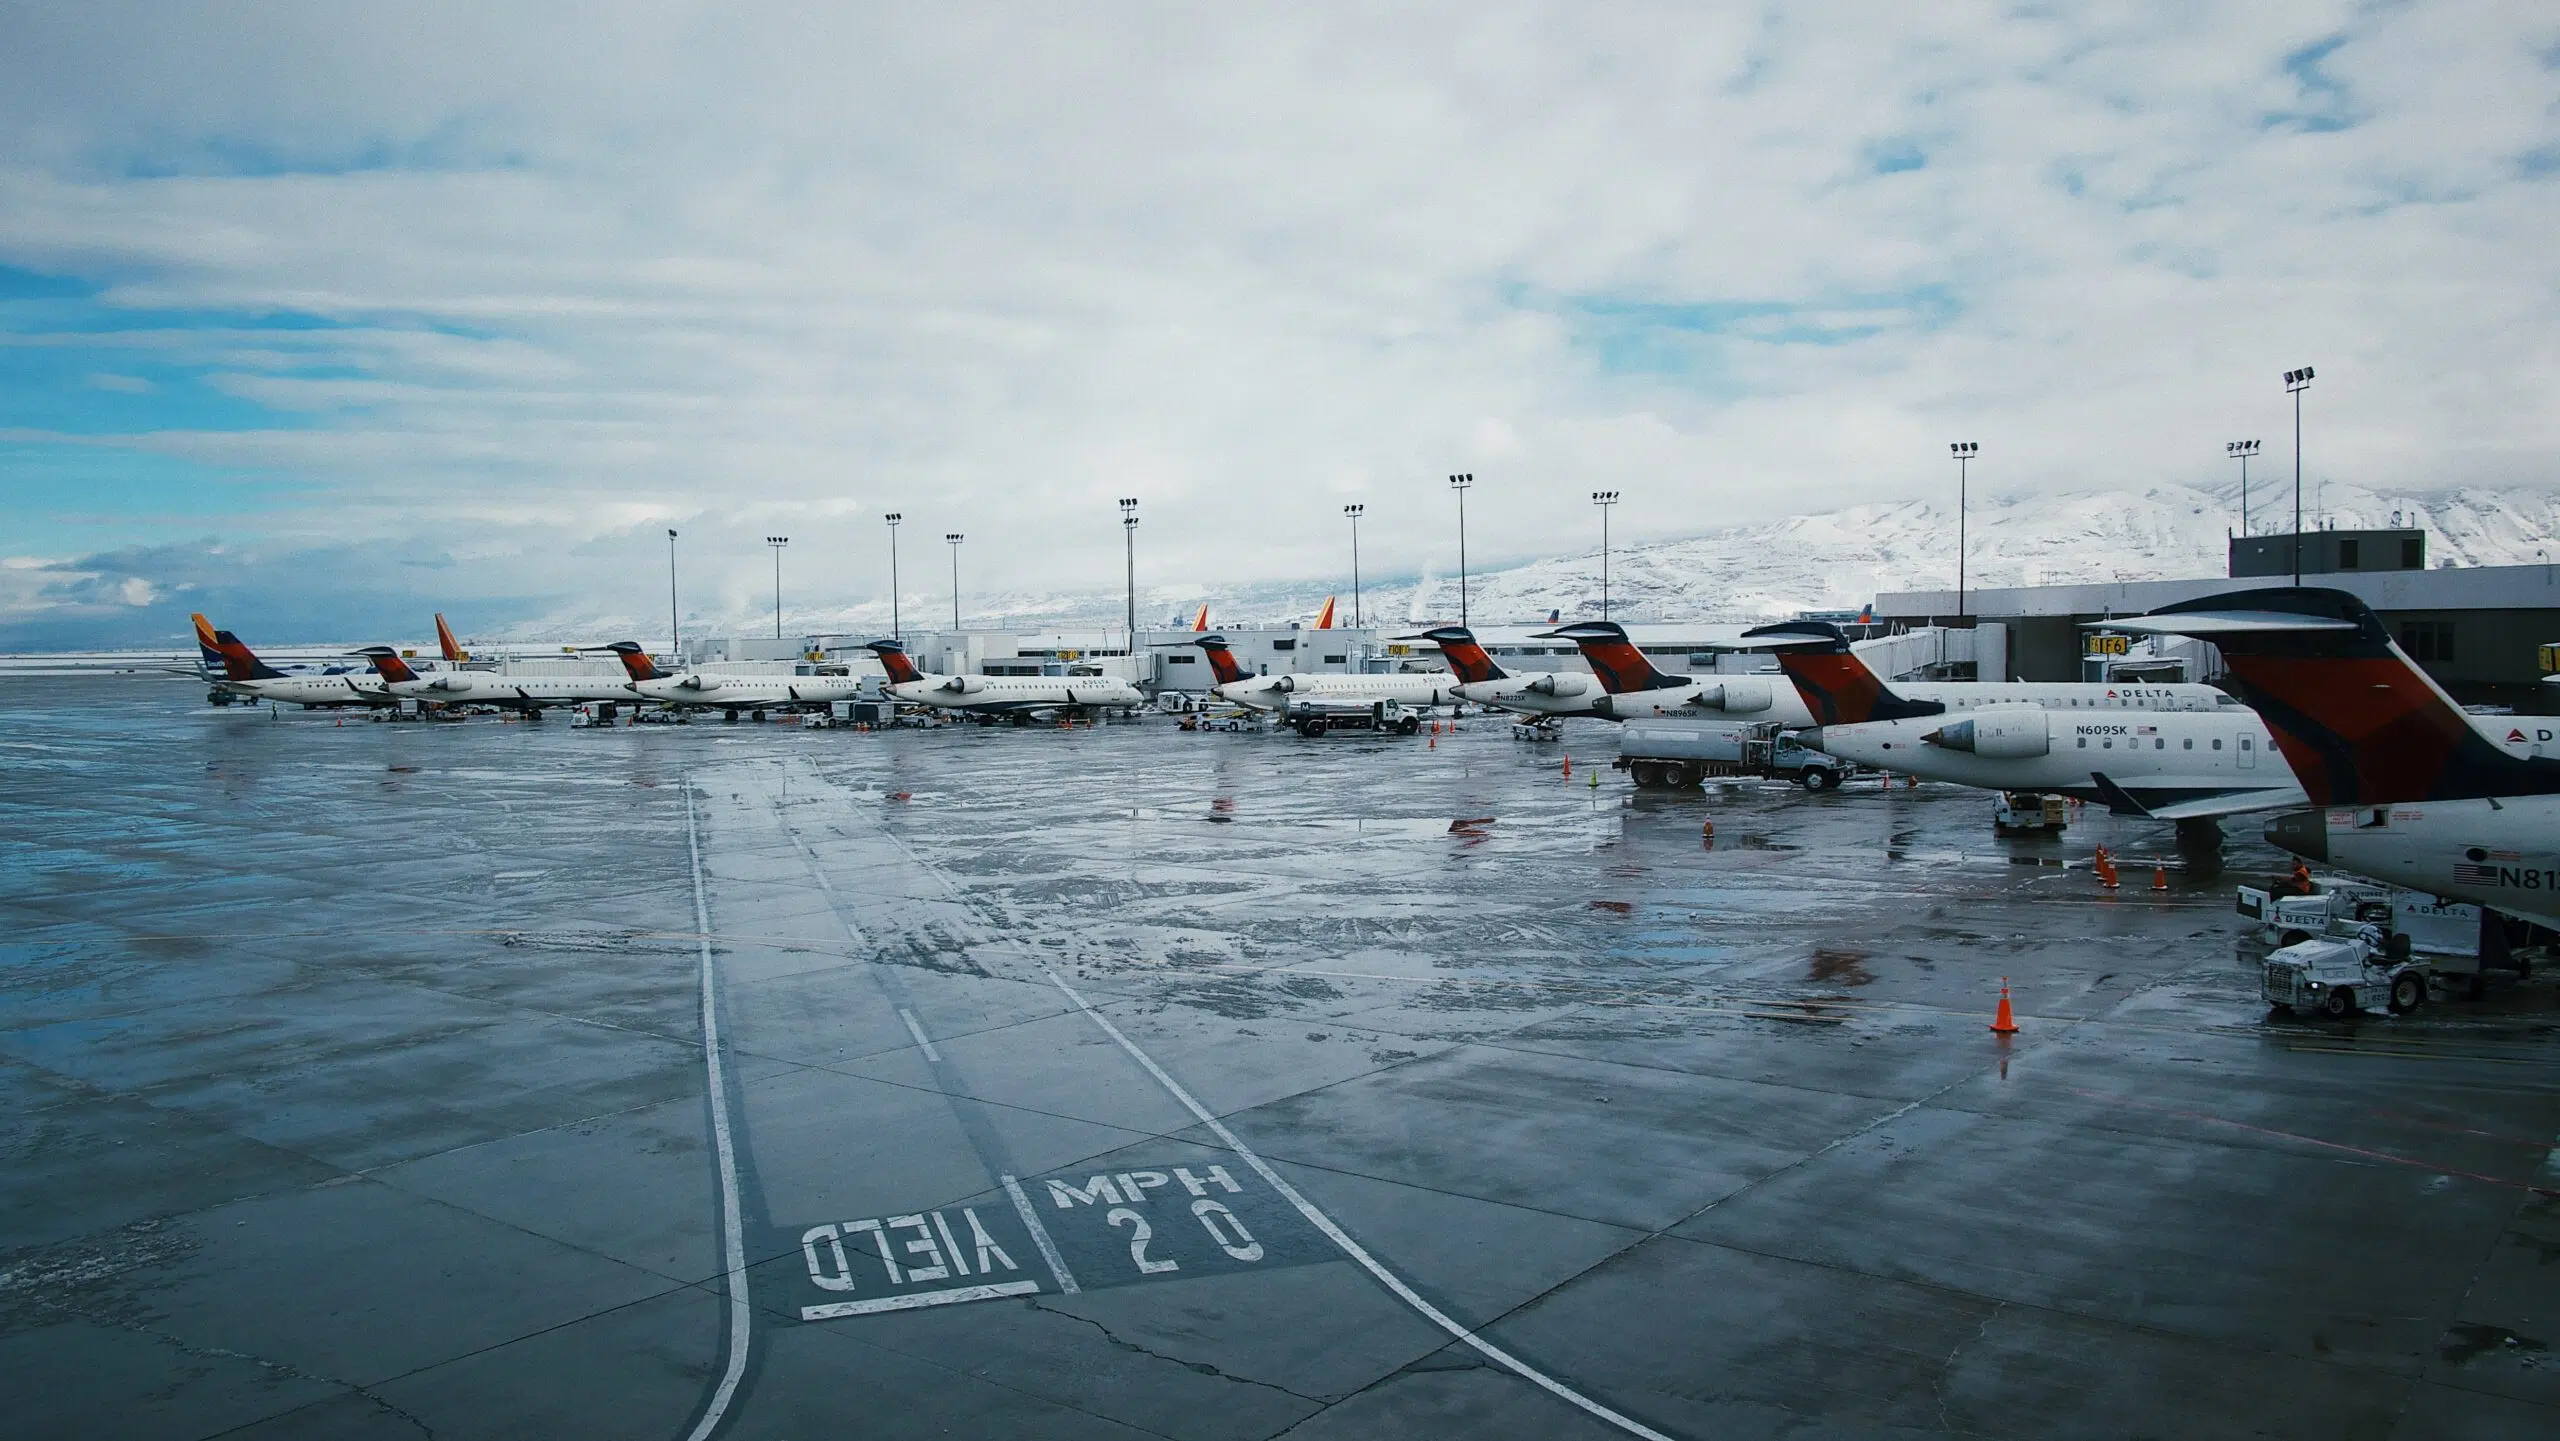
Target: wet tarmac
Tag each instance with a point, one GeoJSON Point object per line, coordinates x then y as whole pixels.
{"type": "Point", "coordinates": [1125, 1082]}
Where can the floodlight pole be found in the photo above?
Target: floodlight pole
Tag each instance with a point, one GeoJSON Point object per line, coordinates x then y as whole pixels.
{"type": "Point", "coordinates": [894, 517]}
{"type": "Point", "coordinates": [1129, 537]}
{"type": "Point", "coordinates": [777, 542]}
{"type": "Point", "coordinates": [2241, 450]}
{"type": "Point", "coordinates": [675, 638]}
{"type": "Point", "coordinates": [1355, 512]}
{"type": "Point", "coordinates": [955, 537]}
{"type": "Point", "coordinates": [1461, 484]}
{"type": "Point", "coordinates": [2296, 382]}
{"type": "Point", "coordinates": [1604, 499]}
{"type": "Point", "coordinates": [1964, 452]}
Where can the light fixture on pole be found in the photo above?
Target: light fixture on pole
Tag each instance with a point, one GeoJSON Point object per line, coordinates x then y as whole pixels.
{"type": "Point", "coordinates": [955, 538]}
{"type": "Point", "coordinates": [1604, 499]}
{"type": "Point", "coordinates": [2241, 450]}
{"type": "Point", "coordinates": [1129, 537]}
{"type": "Point", "coordinates": [2296, 382]}
{"type": "Point", "coordinates": [1964, 451]}
{"type": "Point", "coordinates": [894, 518]}
{"type": "Point", "coordinates": [777, 542]}
{"type": "Point", "coordinates": [1462, 484]}
{"type": "Point", "coordinates": [675, 638]}
{"type": "Point", "coordinates": [1353, 513]}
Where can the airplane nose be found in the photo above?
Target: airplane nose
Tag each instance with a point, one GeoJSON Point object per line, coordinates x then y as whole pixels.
{"type": "Point", "coordinates": [2305, 833]}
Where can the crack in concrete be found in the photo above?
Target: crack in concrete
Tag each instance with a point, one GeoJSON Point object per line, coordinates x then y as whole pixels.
{"type": "Point", "coordinates": [1202, 1368]}
{"type": "Point", "coordinates": [1946, 1368]}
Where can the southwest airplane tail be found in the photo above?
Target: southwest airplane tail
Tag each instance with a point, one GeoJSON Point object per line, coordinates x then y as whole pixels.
{"type": "Point", "coordinates": [2357, 720]}
{"type": "Point", "coordinates": [635, 660]}
{"type": "Point", "coordinates": [1200, 622]}
{"type": "Point", "coordinates": [208, 650]}
{"type": "Point", "coordinates": [1622, 668]}
{"type": "Point", "coordinates": [1222, 661]}
{"type": "Point", "coordinates": [239, 662]}
{"type": "Point", "coordinates": [1324, 620]}
{"type": "Point", "coordinates": [454, 654]}
{"type": "Point", "coordinates": [1466, 658]}
{"type": "Point", "coordinates": [387, 662]}
{"type": "Point", "coordinates": [893, 659]}
{"type": "Point", "coordinates": [1837, 687]}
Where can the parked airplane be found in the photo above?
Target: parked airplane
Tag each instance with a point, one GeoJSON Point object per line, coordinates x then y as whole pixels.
{"type": "Point", "coordinates": [450, 648]}
{"type": "Point", "coordinates": [2191, 755]}
{"type": "Point", "coordinates": [2412, 789]}
{"type": "Point", "coordinates": [526, 693]}
{"type": "Point", "coordinates": [1324, 618]}
{"type": "Point", "coordinates": [1277, 692]}
{"type": "Point", "coordinates": [1006, 695]}
{"type": "Point", "coordinates": [244, 675]}
{"type": "Point", "coordinates": [731, 695]}
{"type": "Point", "coordinates": [1483, 681]}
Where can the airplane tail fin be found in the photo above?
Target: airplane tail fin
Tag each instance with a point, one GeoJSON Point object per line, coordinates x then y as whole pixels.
{"type": "Point", "coordinates": [239, 662]}
{"type": "Point", "coordinates": [2355, 717]}
{"type": "Point", "coordinates": [1466, 658]}
{"type": "Point", "coordinates": [454, 654]}
{"type": "Point", "coordinates": [1621, 667]}
{"type": "Point", "coordinates": [1222, 661]}
{"type": "Point", "coordinates": [635, 659]}
{"type": "Point", "coordinates": [1324, 619]}
{"type": "Point", "coordinates": [894, 660]}
{"type": "Point", "coordinates": [1200, 622]}
{"type": "Point", "coordinates": [387, 662]}
{"type": "Point", "coordinates": [208, 650]}
{"type": "Point", "coordinates": [1837, 687]}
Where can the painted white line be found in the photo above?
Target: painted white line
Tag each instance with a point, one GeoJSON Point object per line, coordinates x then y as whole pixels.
{"type": "Point", "coordinates": [1342, 1238]}
{"type": "Point", "coordinates": [920, 1299]}
{"type": "Point", "coordinates": [733, 1238]}
{"type": "Point", "coordinates": [1040, 1237]}
{"type": "Point", "coordinates": [917, 1031]}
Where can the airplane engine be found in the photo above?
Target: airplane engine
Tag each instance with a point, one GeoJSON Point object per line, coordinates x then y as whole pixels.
{"type": "Point", "coordinates": [1738, 697]}
{"type": "Point", "coordinates": [448, 683]}
{"type": "Point", "coordinates": [1994, 735]}
{"type": "Point", "coordinates": [1563, 685]}
{"type": "Point", "coordinates": [1285, 684]}
{"type": "Point", "coordinates": [966, 684]}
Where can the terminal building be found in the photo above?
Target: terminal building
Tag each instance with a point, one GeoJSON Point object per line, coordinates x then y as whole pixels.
{"type": "Point", "coordinates": [2477, 629]}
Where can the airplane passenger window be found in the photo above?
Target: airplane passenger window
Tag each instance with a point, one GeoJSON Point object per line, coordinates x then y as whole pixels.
{"type": "Point", "coordinates": [2217, 744]}
{"type": "Point", "coordinates": [2159, 745]}
{"type": "Point", "coordinates": [2084, 743]}
{"type": "Point", "coordinates": [2187, 745]}
{"type": "Point", "coordinates": [2245, 745]}
{"type": "Point", "coordinates": [2107, 745]}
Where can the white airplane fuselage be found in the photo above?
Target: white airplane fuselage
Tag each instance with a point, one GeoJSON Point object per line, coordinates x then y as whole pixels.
{"type": "Point", "coordinates": [1554, 693]}
{"type": "Point", "coordinates": [1002, 694]}
{"type": "Point", "coordinates": [1275, 692]}
{"type": "Point", "coordinates": [479, 687]}
{"type": "Point", "coordinates": [2504, 854]}
{"type": "Point", "coordinates": [744, 692]}
{"type": "Point", "coordinates": [1775, 698]}
{"type": "Point", "coordinates": [314, 691]}
{"type": "Point", "coordinates": [2216, 762]}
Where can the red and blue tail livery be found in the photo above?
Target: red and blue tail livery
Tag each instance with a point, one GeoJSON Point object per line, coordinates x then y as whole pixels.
{"type": "Point", "coordinates": [894, 660]}
{"type": "Point", "coordinates": [2356, 719]}
{"type": "Point", "coordinates": [635, 659]}
{"type": "Point", "coordinates": [387, 663]}
{"type": "Point", "coordinates": [1222, 661]}
{"type": "Point", "coordinates": [1621, 667]}
{"type": "Point", "coordinates": [1467, 660]}
{"type": "Point", "coordinates": [239, 662]}
{"type": "Point", "coordinates": [1838, 688]}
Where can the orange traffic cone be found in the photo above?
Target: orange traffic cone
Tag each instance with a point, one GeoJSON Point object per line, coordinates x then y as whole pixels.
{"type": "Point", "coordinates": [2159, 876]}
{"type": "Point", "coordinates": [1568, 766]}
{"type": "Point", "coordinates": [1435, 742]}
{"type": "Point", "coordinates": [2001, 1020]}
{"type": "Point", "coordinates": [2105, 866]}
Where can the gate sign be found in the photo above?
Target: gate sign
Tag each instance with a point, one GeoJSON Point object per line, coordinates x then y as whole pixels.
{"type": "Point", "coordinates": [1059, 1235]}
{"type": "Point", "coordinates": [2110, 645]}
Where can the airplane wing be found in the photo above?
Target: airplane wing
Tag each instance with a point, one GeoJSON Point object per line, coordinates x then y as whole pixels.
{"type": "Point", "coordinates": [2194, 806]}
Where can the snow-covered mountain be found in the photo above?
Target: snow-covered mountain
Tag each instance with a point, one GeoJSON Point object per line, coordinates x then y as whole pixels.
{"type": "Point", "coordinates": [1834, 560]}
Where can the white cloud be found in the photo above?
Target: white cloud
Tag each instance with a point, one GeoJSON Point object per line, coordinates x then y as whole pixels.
{"type": "Point", "coordinates": [719, 268]}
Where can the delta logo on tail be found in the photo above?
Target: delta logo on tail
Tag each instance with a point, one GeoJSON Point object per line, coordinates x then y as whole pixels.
{"type": "Point", "coordinates": [1324, 618]}
{"type": "Point", "coordinates": [635, 660]}
{"type": "Point", "coordinates": [1838, 688]}
{"type": "Point", "coordinates": [1466, 658]}
{"type": "Point", "coordinates": [893, 659]}
{"type": "Point", "coordinates": [2356, 719]}
{"type": "Point", "coordinates": [454, 654]}
{"type": "Point", "coordinates": [387, 662]}
{"type": "Point", "coordinates": [1621, 667]}
{"type": "Point", "coordinates": [239, 662]}
{"type": "Point", "coordinates": [1222, 661]}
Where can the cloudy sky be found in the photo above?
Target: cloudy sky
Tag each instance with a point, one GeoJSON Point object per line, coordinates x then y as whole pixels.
{"type": "Point", "coordinates": [322, 316]}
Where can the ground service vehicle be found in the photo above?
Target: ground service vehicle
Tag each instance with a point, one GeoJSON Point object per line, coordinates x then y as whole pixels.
{"type": "Point", "coordinates": [2339, 976]}
{"type": "Point", "coordinates": [1679, 751]}
{"type": "Point", "coordinates": [1315, 717]}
